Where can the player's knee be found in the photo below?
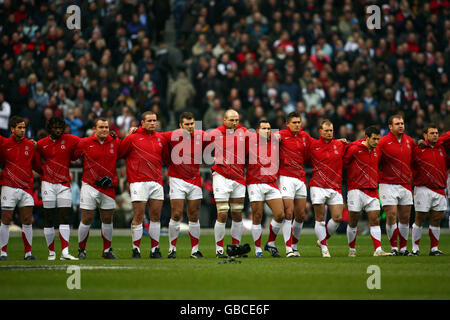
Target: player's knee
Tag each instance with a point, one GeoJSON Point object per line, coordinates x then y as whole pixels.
{"type": "Point", "coordinates": [236, 207]}
{"type": "Point", "coordinates": [279, 217]}
{"type": "Point", "coordinates": [337, 219]}
{"type": "Point", "coordinates": [27, 220]}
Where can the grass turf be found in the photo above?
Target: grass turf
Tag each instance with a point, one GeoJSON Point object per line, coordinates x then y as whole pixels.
{"type": "Point", "coordinates": [308, 277]}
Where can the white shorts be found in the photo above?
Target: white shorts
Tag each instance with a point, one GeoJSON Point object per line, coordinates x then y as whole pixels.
{"type": "Point", "coordinates": [12, 197]}
{"type": "Point", "coordinates": [395, 194]}
{"type": "Point", "coordinates": [224, 188]}
{"type": "Point", "coordinates": [55, 195]}
{"type": "Point", "coordinates": [91, 199]}
{"type": "Point", "coordinates": [291, 188]}
{"type": "Point", "coordinates": [426, 200]}
{"type": "Point", "coordinates": [143, 191]}
{"type": "Point", "coordinates": [262, 192]}
{"type": "Point", "coordinates": [325, 196]}
{"type": "Point", "coordinates": [358, 201]}
{"type": "Point", "coordinates": [180, 189]}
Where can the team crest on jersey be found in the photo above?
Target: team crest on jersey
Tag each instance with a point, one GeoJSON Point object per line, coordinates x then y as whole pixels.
{"type": "Point", "coordinates": [63, 147]}
{"type": "Point", "coordinates": [26, 147]}
{"type": "Point", "coordinates": [111, 145]}
{"type": "Point", "coordinates": [26, 153]}
{"type": "Point", "coordinates": [63, 142]}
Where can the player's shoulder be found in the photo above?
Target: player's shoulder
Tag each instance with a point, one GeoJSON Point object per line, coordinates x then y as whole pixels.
{"type": "Point", "coordinates": [71, 137]}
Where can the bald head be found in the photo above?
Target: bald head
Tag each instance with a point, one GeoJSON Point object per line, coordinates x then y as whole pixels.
{"type": "Point", "coordinates": [231, 119]}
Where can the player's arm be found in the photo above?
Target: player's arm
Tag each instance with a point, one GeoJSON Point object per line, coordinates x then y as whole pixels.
{"type": "Point", "coordinates": [165, 156]}
{"type": "Point", "coordinates": [124, 147]}
{"type": "Point", "coordinates": [36, 162]}
{"type": "Point", "coordinates": [348, 155]}
{"type": "Point", "coordinates": [445, 140]}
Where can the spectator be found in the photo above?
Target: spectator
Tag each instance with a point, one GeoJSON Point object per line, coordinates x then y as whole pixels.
{"type": "Point", "coordinates": [5, 113]}
{"type": "Point", "coordinates": [182, 93]}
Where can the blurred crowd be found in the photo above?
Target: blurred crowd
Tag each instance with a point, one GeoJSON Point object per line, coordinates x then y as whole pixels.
{"type": "Point", "coordinates": [263, 58]}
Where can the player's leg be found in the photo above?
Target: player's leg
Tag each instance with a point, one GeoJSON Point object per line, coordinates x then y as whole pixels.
{"type": "Point", "coordinates": [352, 231]}
{"type": "Point", "coordinates": [434, 231]}
{"type": "Point", "coordinates": [49, 203]}
{"type": "Point", "coordinates": [64, 232]}
{"type": "Point", "coordinates": [389, 196]}
{"type": "Point", "coordinates": [277, 207]}
{"type": "Point", "coordinates": [106, 217]}
{"type": "Point", "coordinates": [154, 212]}
{"type": "Point", "coordinates": [7, 214]}
{"type": "Point", "coordinates": [320, 228]}
{"type": "Point", "coordinates": [222, 192]}
{"type": "Point", "coordinates": [64, 205]}
{"type": "Point", "coordinates": [335, 206]}
{"type": "Point", "coordinates": [391, 227]}
{"type": "Point", "coordinates": [416, 231]}
{"type": "Point", "coordinates": [136, 226]}
{"type": "Point", "coordinates": [286, 228]}
{"type": "Point", "coordinates": [219, 227]}
{"type": "Point", "coordinates": [237, 226]}
{"type": "Point", "coordinates": [26, 217]}
{"type": "Point", "coordinates": [257, 209]}
{"type": "Point", "coordinates": [404, 212]}
{"type": "Point", "coordinates": [49, 230]}
{"type": "Point", "coordinates": [193, 207]}
{"type": "Point", "coordinates": [375, 230]}
{"type": "Point", "coordinates": [87, 216]}
{"type": "Point", "coordinates": [297, 225]}
{"type": "Point", "coordinates": [177, 206]}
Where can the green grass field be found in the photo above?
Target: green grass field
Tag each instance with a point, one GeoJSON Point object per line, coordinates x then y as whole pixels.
{"type": "Point", "coordinates": [308, 277]}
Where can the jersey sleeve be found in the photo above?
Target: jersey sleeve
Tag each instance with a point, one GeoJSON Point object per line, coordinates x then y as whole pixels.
{"type": "Point", "coordinates": [125, 146]}
{"type": "Point", "coordinates": [36, 162]}
{"type": "Point", "coordinates": [445, 140]}
{"type": "Point", "coordinates": [78, 151]}
{"type": "Point", "coordinates": [348, 155]}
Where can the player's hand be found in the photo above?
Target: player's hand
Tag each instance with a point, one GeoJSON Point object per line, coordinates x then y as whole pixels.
{"type": "Point", "coordinates": [132, 130]}
{"type": "Point", "coordinates": [343, 140]}
{"type": "Point", "coordinates": [277, 135]}
{"type": "Point", "coordinates": [34, 143]}
{"type": "Point", "coordinates": [421, 143]}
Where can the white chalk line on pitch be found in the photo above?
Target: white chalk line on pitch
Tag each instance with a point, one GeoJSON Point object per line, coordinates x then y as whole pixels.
{"type": "Point", "coordinates": [44, 267]}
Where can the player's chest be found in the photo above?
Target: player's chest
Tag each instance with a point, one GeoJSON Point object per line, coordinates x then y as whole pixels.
{"type": "Point", "coordinates": [102, 151]}
{"type": "Point", "coordinates": [55, 149]}
{"type": "Point", "coordinates": [327, 152]}
{"type": "Point", "coordinates": [293, 143]}
{"type": "Point", "coordinates": [18, 153]}
{"type": "Point", "coordinates": [149, 144]}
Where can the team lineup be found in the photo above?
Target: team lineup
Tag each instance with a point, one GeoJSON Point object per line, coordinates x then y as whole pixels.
{"type": "Point", "coordinates": [392, 170]}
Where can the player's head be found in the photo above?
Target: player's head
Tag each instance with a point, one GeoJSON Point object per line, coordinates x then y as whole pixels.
{"type": "Point", "coordinates": [187, 122]}
{"type": "Point", "coordinates": [231, 119]}
{"type": "Point", "coordinates": [431, 133]}
{"type": "Point", "coordinates": [101, 128]}
{"type": "Point", "coordinates": [149, 121]}
{"type": "Point", "coordinates": [17, 126]}
{"type": "Point", "coordinates": [373, 136]}
{"type": "Point", "coordinates": [56, 127]}
{"type": "Point", "coordinates": [264, 128]}
{"type": "Point", "coordinates": [397, 124]}
{"type": "Point", "coordinates": [294, 121]}
{"type": "Point", "coordinates": [326, 130]}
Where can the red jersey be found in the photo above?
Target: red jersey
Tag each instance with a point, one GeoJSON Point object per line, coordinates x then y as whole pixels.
{"type": "Point", "coordinates": [20, 158]}
{"type": "Point", "coordinates": [99, 160]}
{"type": "Point", "coordinates": [230, 149]}
{"type": "Point", "coordinates": [429, 167]}
{"type": "Point", "coordinates": [362, 166]}
{"type": "Point", "coordinates": [144, 153]}
{"type": "Point", "coordinates": [186, 154]}
{"type": "Point", "coordinates": [445, 140]}
{"type": "Point", "coordinates": [327, 163]}
{"type": "Point", "coordinates": [395, 160]}
{"type": "Point", "coordinates": [56, 156]}
{"type": "Point", "coordinates": [262, 164]}
{"type": "Point", "coordinates": [293, 150]}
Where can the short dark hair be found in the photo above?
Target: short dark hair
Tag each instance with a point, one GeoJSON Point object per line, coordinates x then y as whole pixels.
{"type": "Point", "coordinates": [262, 121]}
{"type": "Point", "coordinates": [14, 121]}
{"type": "Point", "coordinates": [293, 114]}
{"type": "Point", "coordinates": [55, 122]}
{"type": "Point", "coordinates": [187, 116]}
{"type": "Point", "coordinates": [430, 126]}
{"type": "Point", "coordinates": [149, 113]}
{"type": "Point", "coordinates": [325, 121]}
{"type": "Point", "coordinates": [372, 130]}
{"type": "Point", "coordinates": [100, 119]}
{"type": "Point", "coordinates": [395, 116]}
